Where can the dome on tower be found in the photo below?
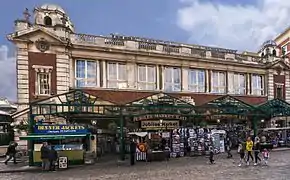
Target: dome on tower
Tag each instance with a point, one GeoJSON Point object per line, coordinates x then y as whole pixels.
{"type": "Point", "coordinates": [52, 7]}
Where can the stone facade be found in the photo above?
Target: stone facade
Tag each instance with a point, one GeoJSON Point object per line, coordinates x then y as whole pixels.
{"type": "Point", "coordinates": [51, 43]}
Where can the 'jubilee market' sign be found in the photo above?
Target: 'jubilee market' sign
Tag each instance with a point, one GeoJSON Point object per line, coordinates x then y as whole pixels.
{"type": "Point", "coordinates": [159, 116]}
{"type": "Point", "coordinates": [60, 129]}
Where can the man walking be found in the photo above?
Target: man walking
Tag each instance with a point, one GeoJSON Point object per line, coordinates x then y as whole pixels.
{"type": "Point", "coordinates": [45, 156]}
{"type": "Point", "coordinates": [132, 152]}
{"type": "Point", "coordinates": [11, 153]}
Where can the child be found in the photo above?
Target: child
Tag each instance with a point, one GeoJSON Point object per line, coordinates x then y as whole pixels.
{"type": "Point", "coordinates": [266, 156]}
{"type": "Point", "coordinates": [241, 151]}
{"type": "Point", "coordinates": [211, 153]}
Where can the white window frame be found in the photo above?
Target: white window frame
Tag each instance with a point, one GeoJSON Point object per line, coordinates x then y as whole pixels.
{"type": "Point", "coordinates": [121, 83]}
{"type": "Point", "coordinates": [42, 70]}
{"type": "Point", "coordinates": [38, 75]}
{"type": "Point", "coordinates": [172, 84]}
{"type": "Point", "coordinates": [147, 83]}
{"type": "Point", "coordinates": [232, 88]}
{"type": "Point", "coordinates": [86, 79]}
{"type": "Point", "coordinates": [221, 88]}
{"type": "Point", "coordinates": [257, 91]}
{"type": "Point", "coordinates": [199, 86]}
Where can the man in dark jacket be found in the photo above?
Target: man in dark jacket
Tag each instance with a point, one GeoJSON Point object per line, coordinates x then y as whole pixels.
{"type": "Point", "coordinates": [11, 153]}
{"type": "Point", "coordinates": [52, 158]}
{"type": "Point", "coordinates": [45, 156]}
{"type": "Point", "coordinates": [132, 152]}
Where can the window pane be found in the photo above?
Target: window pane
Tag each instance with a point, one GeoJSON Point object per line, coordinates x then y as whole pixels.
{"type": "Point", "coordinates": [142, 73]}
{"type": "Point", "coordinates": [222, 80]}
{"type": "Point", "coordinates": [176, 75]}
{"type": "Point", "coordinates": [43, 83]}
{"type": "Point", "coordinates": [151, 74]}
{"type": "Point", "coordinates": [201, 77]}
{"type": "Point", "coordinates": [80, 68]}
{"type": "Point", "coordinates": [91, 73]}
{"type": "Point", "coordinates": [122, 72]}
{"type": "Point", "coordinates": [112, 71]}
{"type": "Point", "coordinates": [192, 77]}
{"type": "Point", "coordinates": [81, 83]}
{"type": "Point", "coordinates": [168, 75]}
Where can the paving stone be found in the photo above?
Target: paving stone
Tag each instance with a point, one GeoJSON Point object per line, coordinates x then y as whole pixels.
{"type": "Point", "coordinates": [187, 168]}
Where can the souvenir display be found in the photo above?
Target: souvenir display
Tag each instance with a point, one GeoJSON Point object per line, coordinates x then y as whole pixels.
{"type": "Point", "coordinates": [177, 145]}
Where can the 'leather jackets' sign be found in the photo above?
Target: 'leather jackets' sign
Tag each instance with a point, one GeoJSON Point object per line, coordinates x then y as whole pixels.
{"type": "Point", "coordinates": [158, 125]}
{"type": "Point", "coordinates": [59, 129]}
{"type": "Point", "coordinates": [159, 116]}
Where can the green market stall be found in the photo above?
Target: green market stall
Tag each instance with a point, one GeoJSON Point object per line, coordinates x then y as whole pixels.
{"type": "Point", "coordinates": [69, 141]}
{"type": "Point", "coordinates": [77, 106]}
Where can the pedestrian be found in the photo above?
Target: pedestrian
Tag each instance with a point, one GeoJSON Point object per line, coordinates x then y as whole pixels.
{"type": "Point", "coordinates": [52, 158]}
{"type": "Point", "coordinates": [241, 151]}
{"type": "Point", "coordinates": [132, 152]}
{"type": "Point", "coordinates": [211, 156]}
{"type": "Point", "coordinates": [249, 149]}
{"type": "Point", "coordinates": [266, 156]}
{"type": "Point", "coordinates": [11, 152]}
{"type": "Point", "coordinates": [229, 147]}
{"type": "Point", "coordinates": [257, 149]}
{"type": "Point", "coordinates": [44, 151]}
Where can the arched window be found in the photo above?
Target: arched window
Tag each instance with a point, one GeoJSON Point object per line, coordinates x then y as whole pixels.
{"type": "Point", "coordinates": [262, 55]}
{"type": "Point", "coordinates": [274, 52]}
{"type": "Point", "coordinates": [47, 21]}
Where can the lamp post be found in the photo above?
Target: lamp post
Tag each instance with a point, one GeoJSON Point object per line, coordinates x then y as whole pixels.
{"type": "Point", "coordinates": [94, 123]}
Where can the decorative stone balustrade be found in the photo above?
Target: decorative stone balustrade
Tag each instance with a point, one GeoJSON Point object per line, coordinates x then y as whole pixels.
{"type": "Point", "coordinates": [158, 46]}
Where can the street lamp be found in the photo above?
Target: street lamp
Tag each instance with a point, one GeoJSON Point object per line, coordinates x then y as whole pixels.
{"type": "Point", "coordinates": [94, 123]}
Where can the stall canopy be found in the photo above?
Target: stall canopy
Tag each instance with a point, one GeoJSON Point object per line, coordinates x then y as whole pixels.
{"type": "Point", "coordinates": [275, 108]}
{"type": "Point", "coordinates": [228, 105]}
{"type": "Point", "coordinates": [51, 137]}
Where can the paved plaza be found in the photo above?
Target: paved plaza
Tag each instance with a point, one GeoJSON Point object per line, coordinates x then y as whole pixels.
{"type": "Point", "coordinates": [188, 168]}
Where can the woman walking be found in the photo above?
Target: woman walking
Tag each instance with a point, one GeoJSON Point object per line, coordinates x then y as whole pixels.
{"type": "Point", "coordinates": [249, 149]}
{"type": "Point", "coordinates": [257, 149]}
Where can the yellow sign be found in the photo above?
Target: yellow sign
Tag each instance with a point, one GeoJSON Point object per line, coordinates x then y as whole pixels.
{"type": "Point", "coordinates": [158, 125]}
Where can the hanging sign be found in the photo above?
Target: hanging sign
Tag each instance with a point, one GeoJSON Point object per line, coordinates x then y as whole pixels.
{"type": "Point", "coordinates": [60, 129]}
{"type": "Point", "coordinates": [159, 116]}
{"type": "Point", "coordinates": [158, 125]}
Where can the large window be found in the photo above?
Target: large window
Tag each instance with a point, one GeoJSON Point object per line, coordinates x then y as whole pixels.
{"type": "Point", "coordinates": [117, 75]}
{"type": "Point", "coordinates": [257, 85]}
{"type": "Point", "coordinates": [86, 73]}
{"type": "Point", "coordinates": [146, 77]}
{"type": "Point", "coordinates": [218, 82]}
{"type": "Point", "coordinates": [43, 83]}
{"type": "Point", "coordinates": [172, 79]}
{"type": "Point", "coordinates": [236, 83]}
{"type": "Point", "coordinates": [196, 80]}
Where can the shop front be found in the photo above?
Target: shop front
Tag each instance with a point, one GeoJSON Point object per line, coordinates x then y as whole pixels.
{"type": "Point", "coordinates": [71, 141]}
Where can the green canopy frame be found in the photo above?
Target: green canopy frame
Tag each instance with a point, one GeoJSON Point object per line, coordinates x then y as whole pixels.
{"type": "Point", "coordinates": [78, 106]}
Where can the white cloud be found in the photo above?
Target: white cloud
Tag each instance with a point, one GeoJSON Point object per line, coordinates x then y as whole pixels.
{"type": "Point", "coordinates": [233, 26]}
{"type": "Point", "coordinates": [7, 74]}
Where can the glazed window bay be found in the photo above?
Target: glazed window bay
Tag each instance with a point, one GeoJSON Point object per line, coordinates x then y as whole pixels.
{"type": "Point", "coordinates": [87, 73]}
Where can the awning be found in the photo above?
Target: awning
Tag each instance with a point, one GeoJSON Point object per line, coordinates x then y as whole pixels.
{"type": "Point", "coordinates": [51, 137]}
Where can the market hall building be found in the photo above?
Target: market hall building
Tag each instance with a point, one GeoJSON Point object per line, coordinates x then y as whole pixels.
{"type": "Point", "coordinates": [53, 61]}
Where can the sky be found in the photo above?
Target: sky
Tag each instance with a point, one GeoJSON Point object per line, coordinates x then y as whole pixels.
{"type": "Point", "coordinates": [235, 24]}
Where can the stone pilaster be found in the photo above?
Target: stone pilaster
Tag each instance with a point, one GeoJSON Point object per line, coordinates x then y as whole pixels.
{"type": "Point", "coordinates": [22, 76]}
{"type": "Point", "coordinates": [270, 84]}
{"type": "Point", "coordinates": [62, 73]}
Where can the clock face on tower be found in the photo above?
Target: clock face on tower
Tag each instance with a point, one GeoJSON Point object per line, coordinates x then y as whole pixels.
{"type": "Point", "coordinates": [42, 45]}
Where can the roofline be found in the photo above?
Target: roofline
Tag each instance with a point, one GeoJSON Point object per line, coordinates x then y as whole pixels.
{"type": "Point", "coordinates": [281, 34]}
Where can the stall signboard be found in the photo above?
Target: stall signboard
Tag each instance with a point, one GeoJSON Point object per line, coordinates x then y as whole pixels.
{"type": "Point", "coordinates": [62, 162]}
{"type": "Point", "coordinates": [159, 116]}
{"type": "Point", "coordinates": [157, 125]}
{"type": "Point", "coordinates": [60, 129]}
